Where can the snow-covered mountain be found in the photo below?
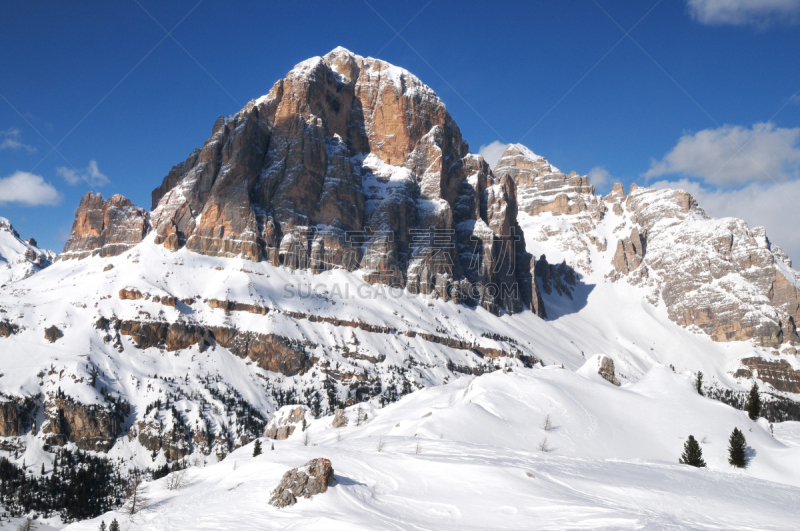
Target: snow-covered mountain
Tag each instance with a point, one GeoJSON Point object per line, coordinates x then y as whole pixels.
{"type": "Point", "coordinates": [19, 258]}
{"type": "Point", "coordinates": [334, 244]}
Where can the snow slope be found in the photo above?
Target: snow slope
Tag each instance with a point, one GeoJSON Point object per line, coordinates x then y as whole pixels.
{"type": "Point", "coordinates": [464, 456]}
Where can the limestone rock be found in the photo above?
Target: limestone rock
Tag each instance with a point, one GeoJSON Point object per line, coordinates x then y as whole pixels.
{"type": "Point", "coordinates": [284, 421]}
{"type": "Point", "coordinates": [779, 373]}
{"type": "Point", "coordinates": [542, 187]}
{"type": "Point", "coordinates": [606, 370]}
{"type": "Point", "coordinates": [7, 328]}
{"type": "Point", "coordinates": [312, 478]}
{"type": "Point", "coordinates": [53, 334]}
{"type": "Point", "coordinates": [105, 228]}
{"type": "Point", "coordinates": [339, 419]}
{"type": "Point", "coordinates": [351, 162]}
{"type": "Point", "coordinates": [90, 427]}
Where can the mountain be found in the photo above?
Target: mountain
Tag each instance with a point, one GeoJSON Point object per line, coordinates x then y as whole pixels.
{"type": "Point", "coordinates": [19, 258]}
{"type": "Point", "coordinates": [335, 245]}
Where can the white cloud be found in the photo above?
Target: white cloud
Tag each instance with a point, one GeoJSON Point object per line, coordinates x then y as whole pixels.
{"type": "Point", "coordinates": [492, 152]}
{"type": "Point", "coordinates": [772, 205]}
{"type": "Point", "coordinates": [10, 140]}
{"type": "Point", "coordinates": [91, 175]}
{"type": "Point", "coordinates": [599, 177]}
{"type": "Point", "coordinates": [740, 12]}
{"type": "Point", "coordinates": [734, 155]}
{"type": "Point", "coordinates": [28, 189]}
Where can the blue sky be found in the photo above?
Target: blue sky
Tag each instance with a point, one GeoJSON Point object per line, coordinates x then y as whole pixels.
{"type": "Point", "coordinates": [703, 93]}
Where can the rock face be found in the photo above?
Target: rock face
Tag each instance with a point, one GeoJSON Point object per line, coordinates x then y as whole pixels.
{"type": "Point", "coordinates": [282, 423]}
{"type": "Point", "coordinates": [312, 478]}
{"type": "Point", "coordinates": [90, 427]}
{"type": "Point", "coordinates": [716, 274]}
{"type": "Point", "coordinates": [105, 228]}
{"type": "Point", "coordinates": [541, 186]}
{"type": "Point", "coordinates": [779, 373]}
{"type": "Point", "coordinates": [15, 415]}
{"type": "Point", "coordinates": [270, 351]}
{"type": "Point", "coordinates": [351, 162]}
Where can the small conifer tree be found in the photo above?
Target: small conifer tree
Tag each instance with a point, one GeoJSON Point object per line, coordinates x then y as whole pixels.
{"type": "Point", "coordinates": [736, 449]}
{"type": "Point", "coordinates": [103, 526]}
{"type": "Point", "coordinates": [114, 525]}
{"type": "Point", "coordinates": [692, 454]}
{"type": "Point", "coordinates": [257, 448]}
{"type": "Point", "coordinates": [698, 383]}
{"type": "Point", "coordinates": [754, 403]}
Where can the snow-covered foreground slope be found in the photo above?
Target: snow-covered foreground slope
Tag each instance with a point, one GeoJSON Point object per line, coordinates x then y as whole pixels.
{"type": "Point", "coordinates": [465, 456]}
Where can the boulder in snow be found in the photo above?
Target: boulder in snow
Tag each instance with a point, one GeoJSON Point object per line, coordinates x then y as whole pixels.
{"type": "Point", "coordinates": [312, 478]}
{"type": "Point", "coordinates": [599, 365]}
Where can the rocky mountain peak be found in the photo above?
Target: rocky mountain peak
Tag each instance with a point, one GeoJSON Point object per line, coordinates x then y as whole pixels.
{"type": "Point", "coordinates": [348, 162]}
{"type": "Point", "coordinates": [105, 228]}
{"type": "Point", "coordinates": [541, 186]}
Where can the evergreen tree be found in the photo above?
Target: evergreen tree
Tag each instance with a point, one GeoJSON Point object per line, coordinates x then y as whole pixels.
{"type": "Point", "coordinates": [754, 403]}
{"type": "Point", "coordinates": [114, 525]}
{"type": "Point", "coordinates": [698, 383]}
{"type": "Point", "coordinates": [103, 526]}
{"type": "Point", "coordinates": [692, 454]}
{"type": "Point", "coordinates": [736, 449]}
{"type": "Point", "coordinates": [257, 448]}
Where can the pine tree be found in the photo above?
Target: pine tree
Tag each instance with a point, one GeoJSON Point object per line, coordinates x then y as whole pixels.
{"type": "Point", "coordinates": [698, 383]}
{"type": "Point", "coordinates": [114, 525]}
{"type": "Point", "coordinates": [754, 403]}
{"type": "Point", "coordinates": [692, 454]}
{"type": "Point", "coordinates": [257, 448]}
{"type": "Point", "coordinates": [736, 449]}
{"type": "Point", "coordinates": [103, 526]}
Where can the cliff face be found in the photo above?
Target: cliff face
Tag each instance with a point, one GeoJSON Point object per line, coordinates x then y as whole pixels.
{"type": "Point", "coordinates": [105, 228]}
{"type": "Point", "coordinates": [716, 275]}
{"type": "Point", "coordinates": [719, 275]}
{"type": "Point", "coordinates": [347, 163]}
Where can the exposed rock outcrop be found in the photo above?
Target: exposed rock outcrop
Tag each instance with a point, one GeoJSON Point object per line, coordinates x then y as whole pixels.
{"type": "Point", "coordinates": [270, 351]}
{"type": "Point", "coordinates": [105, 228]}
{"type": "Point", "coordinates": [779, 373]}
{"type": "Point", "coordinates": [90, 427]}
{"type": "Point", "coordinates": [339, 419]}
{"type": "Point", "coordinates": [606, 370]}
{"type": "Point", "coordinates": [312, 478]}
{"type": "Point", "coordinates": [283, 423]}
{"type": "Point", "coordinates": [7, 329]}
{"type": "Point", "coordinates": [541, 186]}
{"type": "Point", "coordinates": [53, 333]}
{"type": "Point", "coordinates": [716, 274]}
